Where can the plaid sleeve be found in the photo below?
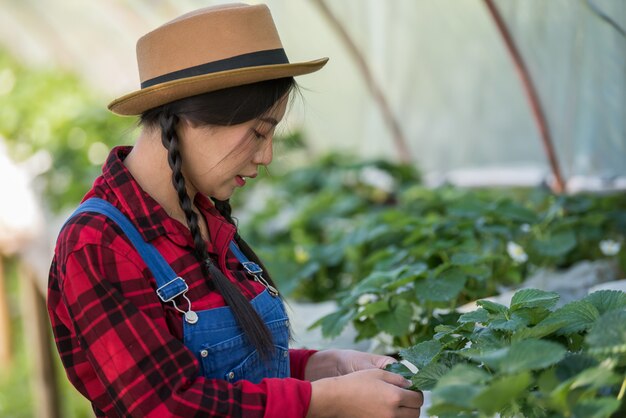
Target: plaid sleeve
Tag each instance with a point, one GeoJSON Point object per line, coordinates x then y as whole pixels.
{"type": "Point", "coordinates": [298, 359]}
{"type": "Point", "coordinates": [138, 368]}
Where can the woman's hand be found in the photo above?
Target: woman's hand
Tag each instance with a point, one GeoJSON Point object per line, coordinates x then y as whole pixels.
{"type": "Point", "coordinates": [331, 363]}
{"type": "Point", "coordinates": [365, 393]}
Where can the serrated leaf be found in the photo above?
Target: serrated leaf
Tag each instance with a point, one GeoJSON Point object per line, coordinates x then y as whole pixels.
{"type": "Point", "coordinates": [464, 259]}
{"type": "Point", "coordinates": [557, 245]}
{"type": "Point", "coordinates": [491, 307]}
{"type": "Point", "coordinates": [574, 317]}
{"type": "Point", "coordinates": [480, 315]}
{"type": "Point", "coordinates": [401, 369]}
{"type": "Point", "coordinates": [444, 288]}
{"type": "Point", "coordinates": [533, 298]}
{"type": "Point", "coordinates": [334, 323]}
{"type": "Point", "coordinates": [396, 321]}
{"type": "Point", "coordinates": [376, 281]}
{"type": "Point", "coordinates": [608, 334]}
{"type": "Point", "coordinates": [464, 374]}
{"type": "Point", "coordinates": [374, 308]}
{"type": "Point", "coordinates": [512, 324]}
{"type": "Point", "coordinates": [412, 272]}
{"type": "Point", "coordinates": [522, 356]}
{"type": "Point", "coordinates": [607, 300]}
{"type": "Point", "coordinates": [501, 392]}
{"type": "Point", "coordinates": [426, 378]}
{"type": "Point", "coordinates": [421, 354]}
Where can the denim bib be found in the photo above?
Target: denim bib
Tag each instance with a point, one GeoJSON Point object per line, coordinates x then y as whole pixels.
{"type": "Point", "coordinates": [213, 335]}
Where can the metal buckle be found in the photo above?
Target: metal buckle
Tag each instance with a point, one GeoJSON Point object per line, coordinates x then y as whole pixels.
{"type": "Point", "coordinates": [161, 290]}
{"type": "Point", "coordinates": [190, 316]}
{"type": "Point", "coordinates": [252, 268]}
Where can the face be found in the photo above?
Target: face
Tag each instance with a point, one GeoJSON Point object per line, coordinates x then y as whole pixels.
{"type": "Point", "coordinates": [218, 159]}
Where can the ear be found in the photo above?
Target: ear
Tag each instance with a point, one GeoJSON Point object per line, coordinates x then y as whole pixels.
{"type": "Point", "coordinates": [188, 123]}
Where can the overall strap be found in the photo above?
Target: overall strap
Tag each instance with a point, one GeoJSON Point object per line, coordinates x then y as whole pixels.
{"type": "Point", "coordinates": [252, 268]}
{"type": "Point", "coordinates": [169, 284]}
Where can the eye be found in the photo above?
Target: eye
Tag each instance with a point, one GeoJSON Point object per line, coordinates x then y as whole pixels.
{"type": "Point", "coordinates": [258, 135]}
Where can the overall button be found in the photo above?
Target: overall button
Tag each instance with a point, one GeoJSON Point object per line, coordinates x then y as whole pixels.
{"type": "Point", "coordinates": [204, 353]}
{"type": "Point", "coordinates": [285, 354]}
{"type": "Point", "coordinates": [287, 323]}
{"type": "Point", "coordinates": [230, 376]}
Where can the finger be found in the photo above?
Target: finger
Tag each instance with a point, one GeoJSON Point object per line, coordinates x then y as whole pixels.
{"type": "Point", "coordinates": [409, 412]}
{"type": "Point", "coordinates": [411, 399]}
{"type": "Point", "coordinates": [394, 379]}
{"type": "Point", "coordinates": [383, 361]}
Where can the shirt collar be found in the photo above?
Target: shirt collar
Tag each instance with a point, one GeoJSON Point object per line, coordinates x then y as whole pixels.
{"type": "Point", "coordinates": [149, 217]}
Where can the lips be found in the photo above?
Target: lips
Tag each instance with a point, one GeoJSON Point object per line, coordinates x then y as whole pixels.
{"type": "Point", "coordinates": [241, 180]}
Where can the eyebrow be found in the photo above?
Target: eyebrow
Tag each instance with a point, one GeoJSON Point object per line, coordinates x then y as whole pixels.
{"type": "Point", "coordinates": [269, 120]}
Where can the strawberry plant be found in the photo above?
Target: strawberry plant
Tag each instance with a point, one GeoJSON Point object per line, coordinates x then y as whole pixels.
{"type": "Point", "coordinates": [527, 359]}
{"type": "Point", "coordinates": [439, 249]}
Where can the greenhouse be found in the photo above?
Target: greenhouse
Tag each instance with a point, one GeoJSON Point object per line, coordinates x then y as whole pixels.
{"type": "Point", "coordinates": [441, 231]}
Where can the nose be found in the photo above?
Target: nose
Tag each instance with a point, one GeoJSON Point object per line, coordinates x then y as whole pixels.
{"type": "Point", "coordinates": [265, 152]}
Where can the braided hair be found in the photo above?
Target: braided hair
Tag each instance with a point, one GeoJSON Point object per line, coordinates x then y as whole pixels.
{"type": "Point", "coordinates": [223, 107]}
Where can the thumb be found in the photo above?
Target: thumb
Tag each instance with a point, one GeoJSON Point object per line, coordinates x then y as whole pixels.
{"type": "Point", "coordinates": [380, 362]}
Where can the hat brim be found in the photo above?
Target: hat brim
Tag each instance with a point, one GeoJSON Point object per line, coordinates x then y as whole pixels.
{"type": "Point", "coordinates": [139, 101]}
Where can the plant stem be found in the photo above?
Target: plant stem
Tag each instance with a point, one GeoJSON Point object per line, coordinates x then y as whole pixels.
{"type": "Point", "coordinates": [620, 395]}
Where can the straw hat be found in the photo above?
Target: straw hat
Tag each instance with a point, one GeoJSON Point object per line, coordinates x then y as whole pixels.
{"type": "Point", "coordinates": [206, 50]}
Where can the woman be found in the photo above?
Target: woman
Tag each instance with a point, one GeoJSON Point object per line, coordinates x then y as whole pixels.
{"type": "Point", "coordinates": [159, 308]}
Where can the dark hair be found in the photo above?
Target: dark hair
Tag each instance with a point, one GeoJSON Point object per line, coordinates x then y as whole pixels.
{"type": "Point", "coordinates": [224, 107]}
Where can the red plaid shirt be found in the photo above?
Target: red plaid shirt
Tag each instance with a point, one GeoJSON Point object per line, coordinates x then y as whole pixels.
{"type": "Point", "coordinates": [120, 345]}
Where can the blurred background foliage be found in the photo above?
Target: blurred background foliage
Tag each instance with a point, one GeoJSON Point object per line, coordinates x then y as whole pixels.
{"type": "Point", "coordinates": [53, 123]}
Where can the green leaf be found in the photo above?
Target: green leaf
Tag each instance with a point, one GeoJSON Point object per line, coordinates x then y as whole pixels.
{"type": "Point", "coordinates": [608, 334]}
{"type": "Point", "coordinates": [607, 300]}
{"type": "Point", "coordinates": [421, 354]}
{"type": "Point", "coordinates": [334, 323]}
{"type": "Point", "coordinates": [396, 321]}
{"type": "Point", "coordinates": [401, 369]}
{"type": "Point", "coordinates": [533, 298]}
{"type": "Point", "coordinates": [411, 273]}
{"type": "Point", "coordinates": [464, 259]}
{"type": "Point", "coordinates": [376, 281]}
{"type": "Point", "coordinates": [596, 408]}
{"type": "Point", "coordinates": [374, 308]}
{"type": "Point", "coordinates": [521, 356]}
{"type": "Point", "coordinates": [515, 212]}
{"type": "Point", "coordinates": [426, 378]}
{"type": "Point", "coordinates": [501, 392]}
{"type": "Point", "coordinates": [573, 364]}
{"type": "Point", "coordinates": [480, 315]}
{"type": "Point", "coordinates": [512, 324]}
{"type": "Point", "coordinates": [574, 317]}
{"type": "Point", "coordinates": [557, 245]}
{"type": "Point", "coordinates": [454, 395]}
{"type": "Point", "coordinates": [464, 373]}
{"type": "Point", "coordinates": [444, 288]}
{"type": "Point", "coordinates": [492, 307]}
{"type": "Point", "coordinates": [595, 377]}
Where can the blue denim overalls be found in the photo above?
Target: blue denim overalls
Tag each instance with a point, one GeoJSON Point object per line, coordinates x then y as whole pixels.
{"type": "Point", "coordinates": [213, 335]}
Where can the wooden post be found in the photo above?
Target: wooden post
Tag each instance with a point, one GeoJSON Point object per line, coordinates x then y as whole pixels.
{"type": "Point", "coordinates": [399, 139]}
{"type": "Point", "coordinates": [532, 96]}
{"type": "Point", "coordinates": [5, 322]}
{"type": "Point", "coordinates": [39, 342]}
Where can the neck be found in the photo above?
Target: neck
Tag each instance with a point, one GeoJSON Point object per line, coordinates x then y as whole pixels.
{"type": "Point", "coordinates": [148, 164]}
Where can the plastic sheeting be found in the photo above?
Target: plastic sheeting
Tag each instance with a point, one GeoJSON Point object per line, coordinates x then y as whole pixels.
{"type": "Point", "coordinates": [442, 64]}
